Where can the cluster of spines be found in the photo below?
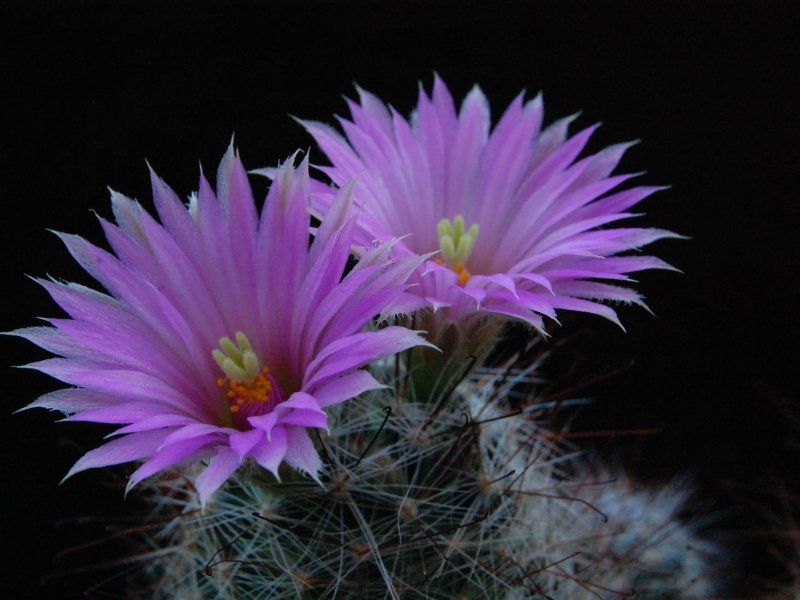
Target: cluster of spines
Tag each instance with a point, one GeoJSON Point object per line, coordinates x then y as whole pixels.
{"type": "Point", "coordinates": [473, 503]}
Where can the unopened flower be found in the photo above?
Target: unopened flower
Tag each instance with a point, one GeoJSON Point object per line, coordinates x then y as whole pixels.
{"type": "Point", "coordinates": [520, 226]}
{"type": "Point", "coordinates": [223, 335]}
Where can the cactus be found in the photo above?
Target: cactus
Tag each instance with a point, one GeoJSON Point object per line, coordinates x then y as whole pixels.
{"type": "Point", "coordinates": [468, 498]}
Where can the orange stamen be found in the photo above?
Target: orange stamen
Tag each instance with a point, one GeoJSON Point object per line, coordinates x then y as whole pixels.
{"type": "Point", "coordinates": [459, 269]}
{"type": "Point", "coordinates": [239, 393]}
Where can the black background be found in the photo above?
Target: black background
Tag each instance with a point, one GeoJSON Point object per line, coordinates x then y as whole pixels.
{"type": "Point", "coordinates": [92, 89]}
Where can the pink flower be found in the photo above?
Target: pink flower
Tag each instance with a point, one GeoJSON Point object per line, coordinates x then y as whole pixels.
{"type": "Point", "coordinates": [223, 335]}
{"type": "Point", "coordinates": [520, 225]}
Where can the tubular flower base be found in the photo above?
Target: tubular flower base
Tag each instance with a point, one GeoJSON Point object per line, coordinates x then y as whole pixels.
{"type": "Point", "coordinates": [223, 336]}
{"type": "Point", "coordinates": [473, 501]}
{"type": "Point", "coordinates": [511, 222]}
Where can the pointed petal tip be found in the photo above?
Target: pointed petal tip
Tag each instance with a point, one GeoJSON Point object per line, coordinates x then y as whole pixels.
{"type": "Point", "coordinates": [573, 117]}
{"type": "Point", "coordinates": [612, 316]}
{"type": "Point", "coordinates": [75, 469]}
{"type": "Point", "coordinates": [359, 90]}
{"type": "Point", "coordinates": [300, 121]}
{"type": "Point", "coordinates": [304, 164]}
{"type": "Point", "coordinates": [59, 234]}
{"type": "Point", "coordinates": [128, 487]}
{"type": "Point", "coordinates": [268, 172]}
{"type": "Point", "coordinates": [27, 407]}
{"type": "Point", "coordinates": [475, 95]}
{"type": "Point", "coordinates": [424, 342]}
{"type": "Point", "coordinates": [676, 236]}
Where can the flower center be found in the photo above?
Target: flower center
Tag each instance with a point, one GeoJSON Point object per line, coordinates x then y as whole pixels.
{"type": "Point", "coordinates": [456, 244]}
{"type": "Point", "coordinates": [248, 382]}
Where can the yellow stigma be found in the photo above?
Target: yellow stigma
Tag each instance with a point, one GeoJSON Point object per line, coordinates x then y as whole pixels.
{"type": "Point", "coordinates": [246, 379]}
{"type": "Point", "coordinates": [456, 244]}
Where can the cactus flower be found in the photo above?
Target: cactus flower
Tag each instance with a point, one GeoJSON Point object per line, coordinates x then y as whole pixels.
{"type": "Point", "coordinates": [223, 335]}
{"type": "Point", "coordinates": [519, 224]}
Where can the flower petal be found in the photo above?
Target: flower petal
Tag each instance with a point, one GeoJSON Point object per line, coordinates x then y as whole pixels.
{"type": "Point", "coordinates": [218, 471]}
{"type": "Point", "coordinates": [170, 455]}
{"type": "Point", "coordinates": [270, 453]}
{"type": "Point", "coordinates": [122, 450]}
{"type": "Point", "coordinates": [300, 452]}
{"type": "Point", "coordinates": [538, 206]}
{"type": "Point", "coordinates": [346, 387]}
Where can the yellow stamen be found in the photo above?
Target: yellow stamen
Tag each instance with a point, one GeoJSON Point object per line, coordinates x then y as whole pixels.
{"type": "Point", "coordinates": [245, 379]}
{"type": "Point", "coordinates": [456, 244]}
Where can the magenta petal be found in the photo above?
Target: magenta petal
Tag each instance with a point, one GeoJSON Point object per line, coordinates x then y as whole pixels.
{"type": "Point", "coordinates": [169, 456]}
{"type": "Point", "coordinates": [157, 422]}
{"type": "Point", "coordinates": [270, 453]}
{"type": "Point", "coordinates": [300, 400]}
{"type": "Point", "coordinates": [406, 304]}
{"type": "Point", "coordinates": [358, 350]}
{"type": "Point", "coordinates": [130, 384]}
{"type": "Point", "coordinates": [264, 422]}
{"type": "Point", "coordinates": [587, 307]}
{"type": "Point", "coordinates": [300, 452]}
{"type": "Point", "coordinates": [122, 450]}
{"type": "Point", "coordinates": [346, 387]}
{"type": "Point", "coordinates": [631, 264]}
{"type": "Point", "coordinates": [127, 214]}
{"type": "Point", "coordinates": [143, 354]}
{"type": "Point", "coordinates": [499, 279]}
{"type": "Point", "coordinates": [476, 293]}
{"type": "Point", "coordinates": [70, 400]}
{"type": "Point", "coordinates": [306, 418]}
{"type": "Point", "coordinates": [53, 340]}
{"type": "Point", "coordinates": [236, 197]}
{"type": "Point", "coordinates": [218, 471]}
{"type": "Point", "coordinates": [243, 442]}
{"type": "Point", "coordinates": [517, 312]}
{"type": "Point", "coordinates": [126, 412]}
{"type": "Point", "coordinates": [535, 278]}
{"type": "Point", "coordinates": [191, 431]}
{"type": "Point", "coordinates": [173, 214]}
{"type": "Point", "coordinates": [539, 206]}
{"type": "Point", "coordinates": [303, 410]}
{"type": "Point", "coordinates": [437, 304]}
